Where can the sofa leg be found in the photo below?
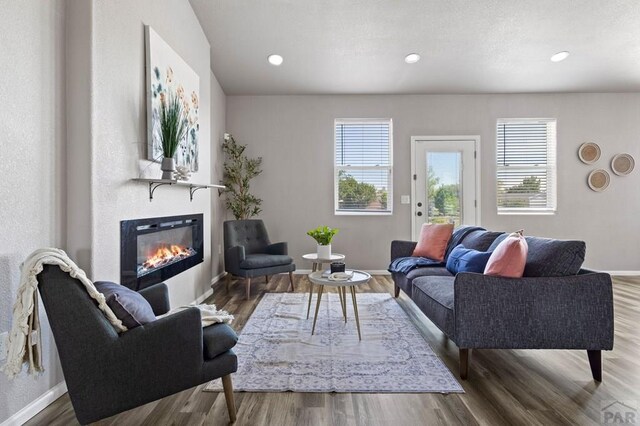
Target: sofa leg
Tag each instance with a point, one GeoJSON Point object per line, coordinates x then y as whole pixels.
{"type": "Point", "coordinates": [266, 279]}
{"type": "Point", "coordinates": [396, 291]}
{"type": "Point", "coordinates": [248, 280]}
{"type": "Point", "coordinates": [228, 396]}
{"type": "Point", "coordinates": [595, 361]}
{"type": "Point", "coordinates": [464, 363]}
{"type": "Point", "coordinates": [291, 281]}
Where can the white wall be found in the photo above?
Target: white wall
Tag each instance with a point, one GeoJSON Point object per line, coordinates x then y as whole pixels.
{"type": "Point", "coordinates": [32, 166]}
{"type": "Point", "coordinates": [218, 211]}
{"type": "Point", "coordinates": [294, 135]}
{"type": "Point", "coordinates": [119, 132]}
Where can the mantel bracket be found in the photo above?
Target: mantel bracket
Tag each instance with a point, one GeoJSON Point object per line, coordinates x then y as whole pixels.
{"type": "Point", "coordinates": [193, 189]}
{"type": "Point", "coordinates": [153, 186]}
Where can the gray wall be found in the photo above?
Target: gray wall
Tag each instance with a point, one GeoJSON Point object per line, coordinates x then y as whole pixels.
{"type": "Point", "coordinates": [294, 135]}
{"type": "Point", "coordinates": [32, 166]}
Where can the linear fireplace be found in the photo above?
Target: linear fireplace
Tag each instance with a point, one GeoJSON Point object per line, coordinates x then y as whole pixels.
{"type": "Point", "coordinates": [154, 249]}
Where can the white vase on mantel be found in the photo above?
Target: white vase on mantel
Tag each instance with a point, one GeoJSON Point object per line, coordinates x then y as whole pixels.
{"type": "Point", "coordinates": [324, 252]}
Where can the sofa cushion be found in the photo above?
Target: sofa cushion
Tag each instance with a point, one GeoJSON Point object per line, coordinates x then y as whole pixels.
{"type": "Point", "coordinates": [129, 306]}
{"type": "Point", "coordinates": [551, 258]}
{"type": "Point", "coordinates": [258, 261]}
{"type": "Point", "coordinates": [217, 339]}
{"type": "Point", "coordinates": [554, 258]}
{"type": "Point", "coordinates": [463, 259]}
{"type": "Point", "coordinates": [433, 241]}
{"type": "Point", "coordinates": [480, 240]}
{"type": "Point", "coordinates": [435, 297]}
{"type": "Point", "coordinates": [509, 258]}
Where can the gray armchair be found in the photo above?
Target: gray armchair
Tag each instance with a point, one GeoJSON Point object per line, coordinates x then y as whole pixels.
{"type": "Point", "coordinates": [248, 253]}
{"type": "Point", "coordinates": [107, 372]}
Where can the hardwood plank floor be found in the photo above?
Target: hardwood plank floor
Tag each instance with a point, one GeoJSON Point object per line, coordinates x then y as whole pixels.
{"type": "Point", "coordinates": [505, 387]}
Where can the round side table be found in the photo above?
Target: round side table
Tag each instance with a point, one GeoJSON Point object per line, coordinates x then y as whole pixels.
{"type": "Point", "coordinates": [317, 263]}
{"type": "Point", "coordinates": [358, 277]}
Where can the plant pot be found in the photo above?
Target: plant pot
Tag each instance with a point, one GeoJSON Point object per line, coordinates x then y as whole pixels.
{"type": "Point", "coordinates": [168, 166]}
{"type": "Point", "coordinates": [324, 252]}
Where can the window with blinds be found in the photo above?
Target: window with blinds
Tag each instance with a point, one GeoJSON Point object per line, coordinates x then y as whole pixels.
{"type": "Point", "coordinates": [526, 165]}
{"type": "Point", "coordinates": [363, 166]}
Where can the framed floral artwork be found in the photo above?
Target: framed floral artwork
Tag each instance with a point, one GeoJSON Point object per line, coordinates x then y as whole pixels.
{"type": "Point", "coordinates": [168, 75]}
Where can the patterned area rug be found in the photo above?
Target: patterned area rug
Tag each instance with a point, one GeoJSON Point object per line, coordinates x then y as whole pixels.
{"type": "Point", "coordinates": [277, 353]}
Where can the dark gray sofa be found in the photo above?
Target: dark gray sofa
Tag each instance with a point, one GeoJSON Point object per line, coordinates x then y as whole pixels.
{"type": "Point", "coordinates": [555, 305]}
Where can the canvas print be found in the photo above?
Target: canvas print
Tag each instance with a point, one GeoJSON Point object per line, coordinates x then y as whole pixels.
{"type": "Point", "coordinates": [169, 75]}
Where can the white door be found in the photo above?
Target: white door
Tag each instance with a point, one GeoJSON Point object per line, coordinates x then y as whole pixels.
{"type": "Point", "coordinates": [444, 181]}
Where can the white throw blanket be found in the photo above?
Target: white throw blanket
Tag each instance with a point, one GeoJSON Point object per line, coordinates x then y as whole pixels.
{"type": "Point", "coordinates": [208, 313]}
{"type": "Point", "coordinates": [24, 341]}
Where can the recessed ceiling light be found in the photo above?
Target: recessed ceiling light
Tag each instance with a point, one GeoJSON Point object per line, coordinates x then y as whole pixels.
{"type": "Point", "coordinates": [412, 58]}
{"type": "Point", "coordinates": [275, 60]}
{"type": "Point", "coordinates": [560, 56]}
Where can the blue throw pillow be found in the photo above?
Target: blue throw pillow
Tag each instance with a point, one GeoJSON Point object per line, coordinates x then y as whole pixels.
{"type": "Point", "coordinates": [462, 259]}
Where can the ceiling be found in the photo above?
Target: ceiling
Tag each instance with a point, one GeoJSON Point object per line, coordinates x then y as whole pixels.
{"type": "Point", "coordinates": [467, 46]}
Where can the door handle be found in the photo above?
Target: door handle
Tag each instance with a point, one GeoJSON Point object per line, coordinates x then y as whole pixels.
{"type": "Point", "coordinates": [419, 204]}
{"type": "Point", "coordinates": [419, 213]}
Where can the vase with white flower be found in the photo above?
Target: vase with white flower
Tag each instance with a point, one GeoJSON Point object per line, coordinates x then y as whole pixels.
{"type": "Point", "coordinates": [323, 236]}
{"type": "Point", "coordinates": [173, 127]}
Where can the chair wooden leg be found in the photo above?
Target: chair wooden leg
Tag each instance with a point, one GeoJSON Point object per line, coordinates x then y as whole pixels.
{"type": "Point", "coordinates": [228, 396]}
{"type": "Point", "coordinates": [396, 291]}
{"type": "Point", "coordinates": [291, 281]}
{"type": "Point", "coordinates": [227, 281]}
{"type": "Point", "coordinates": [595, 361]}
{"type": "Point", "coordinates": [464, 363]}
{"type": "Point", "coordinates": [248, 287]}
{"type": "Point", "coordinates": [266, 279]}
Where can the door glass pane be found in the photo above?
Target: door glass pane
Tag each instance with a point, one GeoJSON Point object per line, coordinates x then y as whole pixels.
{"type": "Point", "coordinates": [444, 187]}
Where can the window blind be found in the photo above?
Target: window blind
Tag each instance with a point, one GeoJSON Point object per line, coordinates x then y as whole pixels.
{"type": "Point", "coordinates": [363, 166]}
{"type": "Point", "coordinates": [526, 165]}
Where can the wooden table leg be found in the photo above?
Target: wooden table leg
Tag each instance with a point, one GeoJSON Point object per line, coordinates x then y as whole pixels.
{"type": "Point", "coordinates": [342, 304]}
{"type": "Point", "coordinates": [344, 299]}
{"type": "Point", "coordinates": [310, 296]}
{"type": "Point", "coordinates": [355, 311]}
{"type": "Point", "coordinates": [315, 318]}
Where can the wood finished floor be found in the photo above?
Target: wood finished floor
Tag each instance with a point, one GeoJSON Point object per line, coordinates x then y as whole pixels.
{"type": "Point", "coordinates": [505, 387]}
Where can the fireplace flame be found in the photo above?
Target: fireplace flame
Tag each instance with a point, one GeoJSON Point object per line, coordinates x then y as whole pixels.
{"type": "Point", "coordinates": [167, 254]}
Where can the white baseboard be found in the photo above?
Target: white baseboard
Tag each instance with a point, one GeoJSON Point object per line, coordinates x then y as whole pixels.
{"type": "Point", "coordinates": [28, 412]}
{"type": "Point", "coordinates": [209, 292]}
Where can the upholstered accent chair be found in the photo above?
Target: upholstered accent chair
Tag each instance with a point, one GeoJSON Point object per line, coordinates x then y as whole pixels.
{"type": "Point", "coordinates": [107, 372]}
{"type": "Point", "coordinates": [248, 253]}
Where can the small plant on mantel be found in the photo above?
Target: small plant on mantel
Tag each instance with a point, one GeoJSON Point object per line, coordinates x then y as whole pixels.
{"type": "Point", "coordinates": [238, 172]}
{"type": "Point", "coordinates": [173, 127]}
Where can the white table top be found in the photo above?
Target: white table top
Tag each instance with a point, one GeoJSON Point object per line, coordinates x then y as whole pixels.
{"type": "Point", "coordinates": [359, 277]}
{"type": "Point", "coordinates": [313, 257]}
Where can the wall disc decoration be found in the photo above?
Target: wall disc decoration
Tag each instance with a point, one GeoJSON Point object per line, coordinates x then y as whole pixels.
{"type": "Point", "coordinates": [622, 164]}
{"type": "Point", "coordinates": [598, 180]}
{"type": "Point", "coordinates": [589, 152]}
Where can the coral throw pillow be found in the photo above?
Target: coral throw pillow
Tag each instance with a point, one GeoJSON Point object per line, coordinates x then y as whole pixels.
{"type": "Point", "coordinates": [433, 241]}
{"type": "Point", "coordinates": [509, 257]}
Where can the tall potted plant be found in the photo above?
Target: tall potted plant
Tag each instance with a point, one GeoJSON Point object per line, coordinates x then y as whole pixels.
{"type": "Point", "coordinates": [173, 126]}
{"type": "Point", "coordinates": [238, 172]}
{"type": "Point", "coordinates": [323, 236]}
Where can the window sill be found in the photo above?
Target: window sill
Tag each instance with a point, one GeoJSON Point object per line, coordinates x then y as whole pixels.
{"type": "Point", "coordinates": [362, 213]}
{"type": "Point", "coordinates": [527, 213]}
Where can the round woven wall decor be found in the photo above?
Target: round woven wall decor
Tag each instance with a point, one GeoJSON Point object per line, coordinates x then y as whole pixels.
{"type": "Point", "coordinates": [589, 152]}
{"type": "Point", "coordinates": [622, 164]}
{"type": "Point", "coordinates": [598, 180]}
